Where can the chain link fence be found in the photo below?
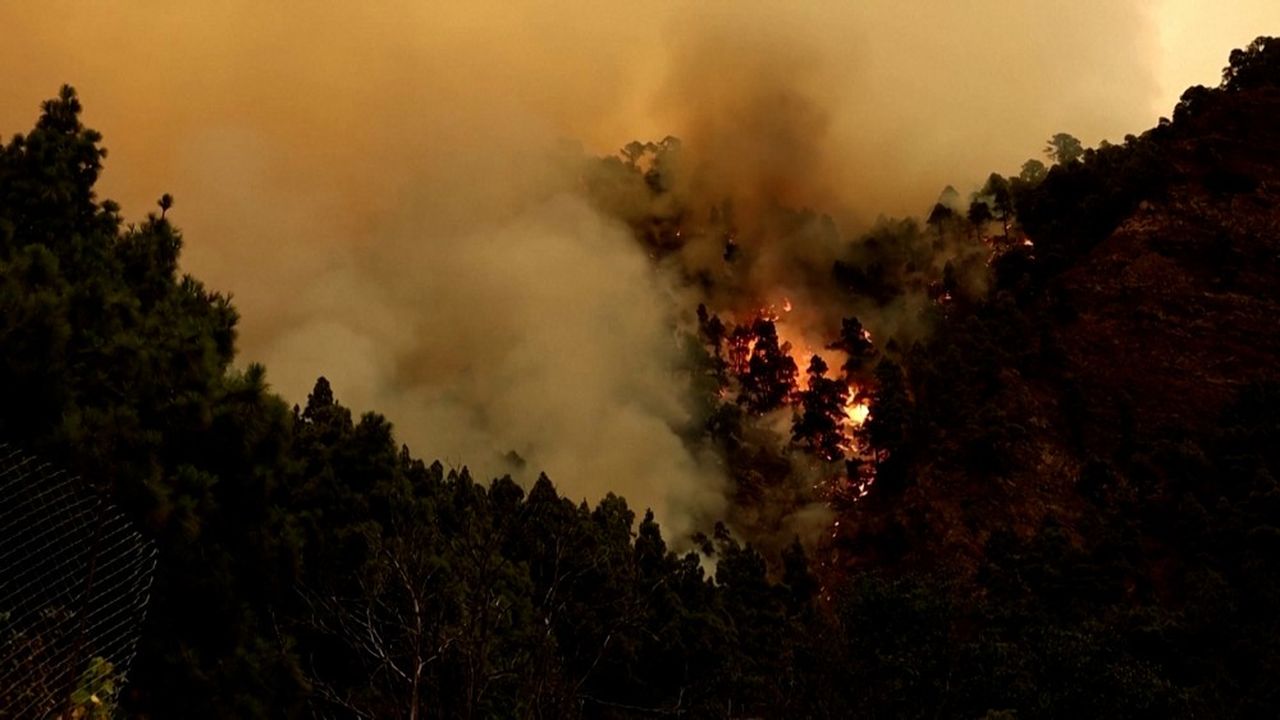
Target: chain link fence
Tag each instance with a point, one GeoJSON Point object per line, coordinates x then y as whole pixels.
{"type": "Point", "coordinates": [75, 578]}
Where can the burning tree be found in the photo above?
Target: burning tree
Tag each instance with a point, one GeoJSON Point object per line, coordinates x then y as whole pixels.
{"type": "Point", "coordinates": [770, 376]}
{"type": "Point", "coordinates": [855, 342]}
{"type": "Point", "coordinates": [818, 425]}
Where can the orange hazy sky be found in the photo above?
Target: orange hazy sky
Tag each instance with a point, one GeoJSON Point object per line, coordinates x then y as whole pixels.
{"type": "Point", "coordinates": [290, 132]}
{"type": "Point", "coordinates": [942, 90]}
{"type": "Point", "coordinates": [300, 127]}
{"type": "Point", "coordinates": [369, 179]}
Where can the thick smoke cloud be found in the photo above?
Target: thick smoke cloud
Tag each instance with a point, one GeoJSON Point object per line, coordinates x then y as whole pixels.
{"type": "Point", "coordinates": [387, 192]}
{"type": "Point", "coordinates": [543, 334]}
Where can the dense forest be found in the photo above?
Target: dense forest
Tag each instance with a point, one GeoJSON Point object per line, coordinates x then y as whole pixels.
{"type": "Point", "coordinates": [1061, 500]}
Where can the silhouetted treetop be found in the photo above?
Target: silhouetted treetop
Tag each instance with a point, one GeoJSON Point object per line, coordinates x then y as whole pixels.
{"type": "Point", "coordinates": [1254, 66]}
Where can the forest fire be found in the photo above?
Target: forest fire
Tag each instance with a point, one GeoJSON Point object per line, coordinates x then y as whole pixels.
{"type": "Point", "coordinates": [766, 364]}
{"type": "Point", "coordinates": [856, 410]}
{"type": "Point", "coordinates": [457, 447]}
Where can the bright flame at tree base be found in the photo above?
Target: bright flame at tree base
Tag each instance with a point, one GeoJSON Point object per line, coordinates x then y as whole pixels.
{"type": "Point", "coordinates": [857, 411]}
{"type": "Point", "coordinates": [757, 345]}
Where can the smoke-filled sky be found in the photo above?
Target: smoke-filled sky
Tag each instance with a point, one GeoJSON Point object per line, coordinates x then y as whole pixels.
{"type": "Point", "coordinates": [373, 182]}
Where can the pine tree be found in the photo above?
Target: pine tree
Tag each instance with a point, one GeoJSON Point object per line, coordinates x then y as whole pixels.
{"type": "Point", "coordinates": [817, 425]}
{"type": "Point", "coordinates": [888, 425]}
{"type": "Point", "coordinates": [771, 373]}
{"type": "Point", "coordinates": [855, 344]}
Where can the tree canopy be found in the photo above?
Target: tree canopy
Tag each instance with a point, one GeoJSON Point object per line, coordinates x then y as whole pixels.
{"type": "Point", "coordinates": [309, 564]}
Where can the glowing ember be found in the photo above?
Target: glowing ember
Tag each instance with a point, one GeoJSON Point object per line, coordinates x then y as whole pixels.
{"type": "Point", "coordinates": [742, 346]}
{"type": "Point", "coordinates": [856, 411]}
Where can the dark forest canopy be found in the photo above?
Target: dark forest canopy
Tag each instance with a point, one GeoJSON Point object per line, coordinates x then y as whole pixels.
{"type": "Point", "coordinates": [310, 565]}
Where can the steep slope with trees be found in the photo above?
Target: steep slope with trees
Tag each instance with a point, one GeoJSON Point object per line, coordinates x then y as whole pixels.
{"type": "Point", "coordinates": [307, 563]}
{"type": "Point", "coordinates": [1075, 511]}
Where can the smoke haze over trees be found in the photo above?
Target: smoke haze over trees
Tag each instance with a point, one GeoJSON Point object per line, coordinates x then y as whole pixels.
{"type": "Point", "coordinates": [334, 230]}
{"type": "Point", "coordinates": [799, 461]}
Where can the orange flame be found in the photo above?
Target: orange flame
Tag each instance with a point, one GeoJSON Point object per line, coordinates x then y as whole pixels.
{"type": "Point", "coordinates": [856, 410]}
{"type": "Point", "coordinates": [794, 342]}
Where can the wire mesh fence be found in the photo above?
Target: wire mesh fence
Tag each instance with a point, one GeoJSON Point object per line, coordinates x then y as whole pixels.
{"type": "Point", "coordinates": [75, 578]}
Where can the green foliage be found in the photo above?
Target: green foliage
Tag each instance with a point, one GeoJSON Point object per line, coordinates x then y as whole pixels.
{"type": "Point", "coordinates": [94, 697]}
{"type": "Point", "coordinates": [308, 564]}
{"type": "Point", "coordinates": [311, 565]}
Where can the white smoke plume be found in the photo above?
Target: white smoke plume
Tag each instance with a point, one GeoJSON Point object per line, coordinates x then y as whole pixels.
{"type": "Point", "coordinates": [384, 190]}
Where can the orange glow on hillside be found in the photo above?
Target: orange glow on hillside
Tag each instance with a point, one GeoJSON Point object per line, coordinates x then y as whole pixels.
{"type": "Point", "coordinates": [856, 411]}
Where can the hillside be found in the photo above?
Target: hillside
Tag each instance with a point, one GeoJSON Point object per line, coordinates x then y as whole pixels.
{"type": "Point", "coordinates": [1053, 494]}
{"type": "Point", "coordinates": [1176, 309]}
{"type": "Point", "coordinates": [1096, 444]}
{"type": "Point", "coordinates": [1102, 348]}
